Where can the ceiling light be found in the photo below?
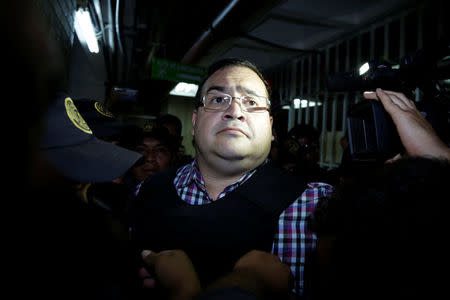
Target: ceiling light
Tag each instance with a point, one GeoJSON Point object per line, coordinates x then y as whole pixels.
{"type": "Point", "coordinates": [364, 68]}
{"type": "Point", "coordinates": [184, 89]}
{"type": "Point", "coordinates": [303, 103]}
{"type": "Point", "coordinates": [85, 29]}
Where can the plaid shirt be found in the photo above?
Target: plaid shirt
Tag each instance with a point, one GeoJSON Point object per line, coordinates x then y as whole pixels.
{"type": "Point", "coordinates": [292, 241]}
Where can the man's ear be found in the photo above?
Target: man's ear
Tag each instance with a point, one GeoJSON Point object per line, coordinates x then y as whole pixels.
{"type": "Point", "coordinates": [271, 126]}
{"type": "Point", "coordinates": [194, 119]}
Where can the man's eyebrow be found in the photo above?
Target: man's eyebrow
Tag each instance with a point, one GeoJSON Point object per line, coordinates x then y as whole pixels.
{"type": "Point", "coordinates": [216, 87]}
{"type": "Point", "coordinates": [249, 91]}
{"type": "Point", "coordinates": [160, 145]}
{"type": "Point", "coordinates": [223, 89]}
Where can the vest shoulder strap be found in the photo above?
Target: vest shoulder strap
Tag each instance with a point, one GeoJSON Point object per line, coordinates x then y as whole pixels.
{"type": "Point", "coordinates": [272, 188]}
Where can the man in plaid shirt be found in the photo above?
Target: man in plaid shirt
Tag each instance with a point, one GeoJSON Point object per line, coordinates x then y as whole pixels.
{"type": "Point", "coordinates": [230, 199]}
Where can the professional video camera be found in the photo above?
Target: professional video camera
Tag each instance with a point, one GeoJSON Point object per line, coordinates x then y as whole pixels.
{"type": "Point", "coordinates": [371, 132]}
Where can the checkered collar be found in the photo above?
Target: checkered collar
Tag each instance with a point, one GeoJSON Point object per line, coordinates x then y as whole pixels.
{"type": "Point", "coordinates": [187, 174]}
{"type": "Point", "coordinates": [190, 173]}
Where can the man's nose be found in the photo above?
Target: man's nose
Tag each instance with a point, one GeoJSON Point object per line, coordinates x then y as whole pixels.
{"type": "Point", "coordinates": [149, 155]}
{"type": "Point", "coordinates": [235, 110]}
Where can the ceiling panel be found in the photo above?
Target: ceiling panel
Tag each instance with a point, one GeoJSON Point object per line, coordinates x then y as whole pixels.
{"type": "Point", "coordinates": [288, 34]}
{"type": "Point", "coordinates": [305, 25]}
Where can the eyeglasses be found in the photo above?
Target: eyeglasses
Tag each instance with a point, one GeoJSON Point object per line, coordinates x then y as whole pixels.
{"type": "Point", "coordinates": [217, 101]}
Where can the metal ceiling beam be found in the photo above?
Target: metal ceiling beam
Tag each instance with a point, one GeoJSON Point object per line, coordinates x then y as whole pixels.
{"type": "Point", "coordinates": [239, 16]}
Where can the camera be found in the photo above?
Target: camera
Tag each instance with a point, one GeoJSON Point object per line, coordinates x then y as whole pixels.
{"type": "Point", "coordinates": [371, 132]}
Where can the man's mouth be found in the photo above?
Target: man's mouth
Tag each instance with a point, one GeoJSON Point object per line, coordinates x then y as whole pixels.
{"type": "Point", "coordinates": [233, 130]}
{"type": "Point", "coordinates": [150, 171]}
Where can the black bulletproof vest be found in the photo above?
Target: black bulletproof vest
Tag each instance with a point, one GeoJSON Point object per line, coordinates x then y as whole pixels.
{"type": "Point", "coordinates": [215, 235]}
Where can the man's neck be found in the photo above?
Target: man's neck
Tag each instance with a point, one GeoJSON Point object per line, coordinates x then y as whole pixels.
{"type": "Point", "coordinates": [214, 186]}
{"type": "Point", "coordinates": [216, 182]}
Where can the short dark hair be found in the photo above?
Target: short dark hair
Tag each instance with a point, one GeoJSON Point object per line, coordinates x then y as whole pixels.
{"type": "Point", "coordinates": [170, 119]}
{"type": "Point", "coordinates": [132, 136]}
{"type": "Point", "coordinates": [226, 62]}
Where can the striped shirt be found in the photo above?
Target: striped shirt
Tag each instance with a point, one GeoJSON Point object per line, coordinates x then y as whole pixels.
{"type": "Point", "coordinates": [292, 240]}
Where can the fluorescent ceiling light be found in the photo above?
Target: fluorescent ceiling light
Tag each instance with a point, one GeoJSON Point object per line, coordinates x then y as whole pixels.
{"type": "Point", "coordinates": [85, 29]}
{"type": "Point", "coordinates": [302, 104]}
{"type": "Point", "coordinates": [364, 68]}
{"type": "Point", "coordinates": [184, 89]}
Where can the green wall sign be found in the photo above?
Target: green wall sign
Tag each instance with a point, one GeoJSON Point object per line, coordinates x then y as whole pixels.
{"type": "Point", "coordinates": [175, 71]}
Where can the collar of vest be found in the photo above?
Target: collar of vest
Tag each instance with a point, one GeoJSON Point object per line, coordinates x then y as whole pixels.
{"type": "Point", "coordinates": [271, 188]}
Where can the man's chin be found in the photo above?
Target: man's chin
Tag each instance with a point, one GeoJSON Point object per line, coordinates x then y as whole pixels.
{"type": "Point", "coordinates": [239, 160]}
{"type": "Point", "coordinates": [150, 173]}
{"type": "Point", "coordinates": [232, 153]}
{"type": "Point", "coordinates": [144, 175]}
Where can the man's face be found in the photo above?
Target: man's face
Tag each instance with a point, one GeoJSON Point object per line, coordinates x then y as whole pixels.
{"type": "Point", "coordinates": [233, 136]}
{"type": "Point", "coordinates": [156, 157]}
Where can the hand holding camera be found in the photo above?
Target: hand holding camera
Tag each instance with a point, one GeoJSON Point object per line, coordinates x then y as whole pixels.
{"type": "Point", "coordinates": [416, 134]}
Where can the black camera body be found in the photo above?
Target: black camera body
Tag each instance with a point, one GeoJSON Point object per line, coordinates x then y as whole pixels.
{"type": "Point", "coordinates": [379, 74]}
{"type": "Point", "coordinates": [371, 132]}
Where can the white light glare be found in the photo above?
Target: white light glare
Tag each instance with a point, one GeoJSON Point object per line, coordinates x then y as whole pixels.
{"type": "Point", "coordinates": [305, 103]}
{"type": "Point", "coordinates": [364, 68]}
{"type": "Point", "coordinates": [85, 29]}
{"type": "Point", "coordinates": [184, 89]}
{"type": "Point", "coordinates": [302, 104]}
